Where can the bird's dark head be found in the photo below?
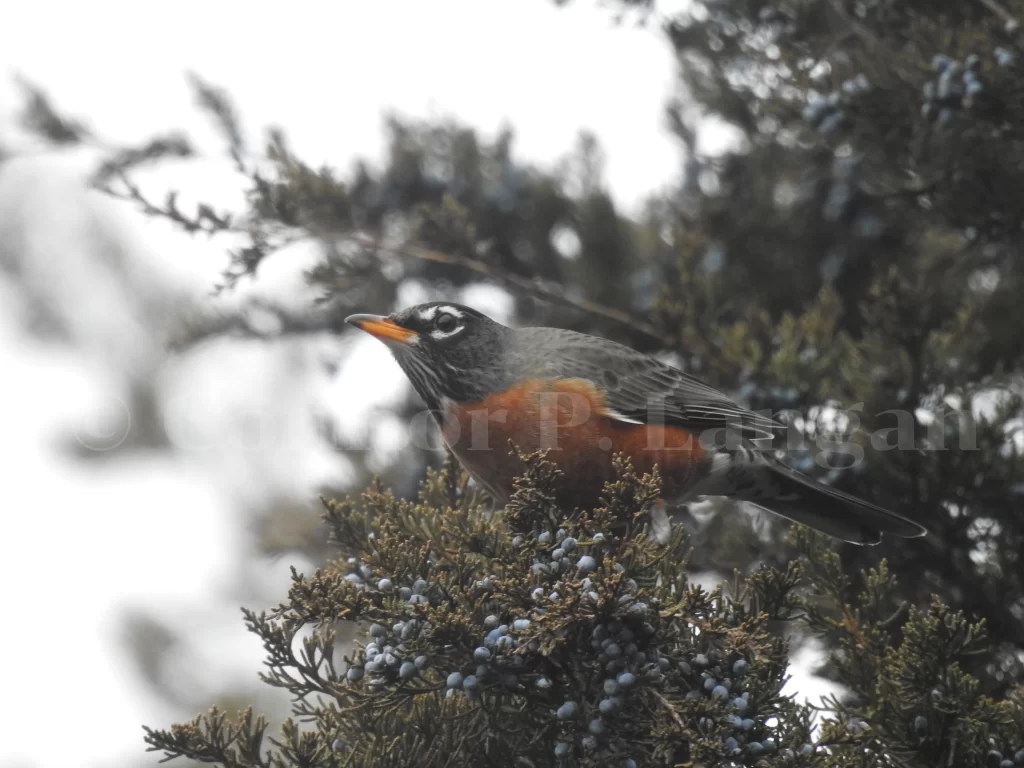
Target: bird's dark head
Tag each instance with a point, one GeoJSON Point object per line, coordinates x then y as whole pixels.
{"type": "Point", "coordinates": [448, 351]}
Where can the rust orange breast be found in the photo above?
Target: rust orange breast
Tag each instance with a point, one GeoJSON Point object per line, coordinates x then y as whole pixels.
{"type": "Point", "coordinates": [570, 418]}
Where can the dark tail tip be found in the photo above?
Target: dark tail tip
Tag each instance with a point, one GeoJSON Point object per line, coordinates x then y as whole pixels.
{"type": "Point", "coordinates": [836, 513]}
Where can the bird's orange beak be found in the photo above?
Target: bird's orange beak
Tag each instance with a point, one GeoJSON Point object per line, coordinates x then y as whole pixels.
{"type": "Point", "coordinates": [382, 328]}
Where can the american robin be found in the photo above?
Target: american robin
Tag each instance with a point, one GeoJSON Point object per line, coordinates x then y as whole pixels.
{"type": "Point", "coordinates": [585, 399]}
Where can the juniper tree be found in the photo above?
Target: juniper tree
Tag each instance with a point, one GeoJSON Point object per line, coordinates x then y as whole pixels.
{"type": "Point", "coordinates": [856, 243]}
{"type": "Point", "coordinates": [861, 245]}
{"type": "Point", "coordinates": [536, 637]}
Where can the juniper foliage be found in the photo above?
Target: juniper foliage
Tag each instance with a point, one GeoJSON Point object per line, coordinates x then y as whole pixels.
{"type": "Point", "coordinates": [533, 637]}
{"type": "Point", "coordinates": [860, 245]}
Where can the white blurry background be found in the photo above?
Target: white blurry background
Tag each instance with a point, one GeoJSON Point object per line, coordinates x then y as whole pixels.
{"type": "Point", "coordinates": [90, 291]}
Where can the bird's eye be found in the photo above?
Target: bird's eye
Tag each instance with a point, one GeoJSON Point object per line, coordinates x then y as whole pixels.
{"type": "Point", "coordinates": [446, 323]}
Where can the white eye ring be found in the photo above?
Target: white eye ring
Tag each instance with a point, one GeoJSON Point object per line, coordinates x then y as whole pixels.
{"type": "Point", "coordinates": [446, 322]}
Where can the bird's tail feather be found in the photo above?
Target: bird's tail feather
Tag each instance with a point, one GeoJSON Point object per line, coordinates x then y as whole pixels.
{"type": "Point", "coordinates": [806, 501]}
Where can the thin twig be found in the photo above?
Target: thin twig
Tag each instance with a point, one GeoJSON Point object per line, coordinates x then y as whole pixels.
{"type": "Point", "coordinates": [911, 190]}
{"type": "Point", "coordinates": [534, 287]}
{"type": "Point", "coordinates": [205, 220]}
{"type": "Point", "coordinates": [999, 10]}
{"type": "Point", "coordinates": [858, 29]}
{"type": "Point", "coordinates": [668, 706]}
{"type": "Point", "coordinates": [246, 321]}
{"type": "Point", "coordinates": [208, 222]}
{"type": "Point", "coordinates": [872, 40]}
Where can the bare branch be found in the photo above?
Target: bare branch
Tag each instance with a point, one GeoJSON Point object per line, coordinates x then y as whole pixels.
{"type": "Point", "coordinates": [1012, 23]}
{"type": "Point", "coordinates": [544, 290]}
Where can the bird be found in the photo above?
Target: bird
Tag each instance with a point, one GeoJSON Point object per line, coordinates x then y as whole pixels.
{"type": "Point", "coordinates": [584, 399]}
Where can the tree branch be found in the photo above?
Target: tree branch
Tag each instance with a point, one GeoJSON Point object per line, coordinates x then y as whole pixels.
{"type": "Point", "coordinates": [999, 10]}
{"type": "Point", "coordinates": [209, 222]}
{"type": "Point", "coordinates": [544, 290]}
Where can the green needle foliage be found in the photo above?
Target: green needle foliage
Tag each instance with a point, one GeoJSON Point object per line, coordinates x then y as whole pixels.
{"type": "Point", "coordinates": [535, 638]}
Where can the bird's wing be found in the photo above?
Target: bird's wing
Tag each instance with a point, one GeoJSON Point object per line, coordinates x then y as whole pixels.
{"type": "Point", "coordinates": [688, 402]}
{"type": "Point", "coordinates": [640, 388]}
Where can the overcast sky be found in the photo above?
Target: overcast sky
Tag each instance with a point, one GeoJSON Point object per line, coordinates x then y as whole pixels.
{"type": "Point", "coordinates": [327, 71]}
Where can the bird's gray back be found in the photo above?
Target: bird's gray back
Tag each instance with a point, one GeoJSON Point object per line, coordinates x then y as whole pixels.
{"type": "Point", "coordinates": [632, 381]}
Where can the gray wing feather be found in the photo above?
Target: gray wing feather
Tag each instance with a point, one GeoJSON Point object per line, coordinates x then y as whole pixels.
{"type": "Point", "coordinates": [638, 387]}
